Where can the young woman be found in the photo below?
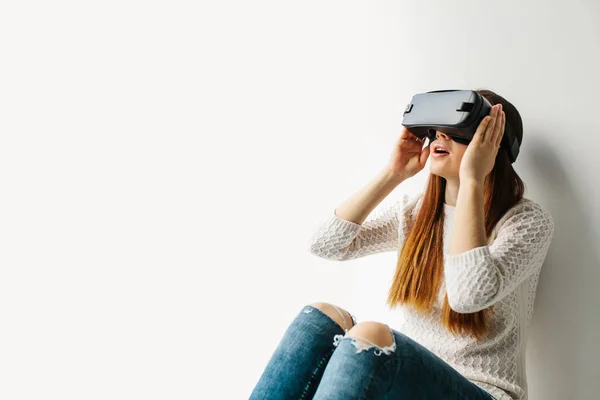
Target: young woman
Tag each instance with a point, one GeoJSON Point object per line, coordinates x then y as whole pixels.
{"type": "Point", "coordinates": [470, 252]}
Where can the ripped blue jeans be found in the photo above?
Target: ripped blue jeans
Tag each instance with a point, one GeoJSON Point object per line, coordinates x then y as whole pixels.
{"type": "Point", "coordinates": [314, 360]}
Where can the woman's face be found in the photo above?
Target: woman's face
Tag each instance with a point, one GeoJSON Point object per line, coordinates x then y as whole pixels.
{"type": "Point", "coordinates": [446, 166]}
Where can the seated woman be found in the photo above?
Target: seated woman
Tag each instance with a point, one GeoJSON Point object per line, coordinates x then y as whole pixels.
{"type": "Point", "coordinates": [470, 249]}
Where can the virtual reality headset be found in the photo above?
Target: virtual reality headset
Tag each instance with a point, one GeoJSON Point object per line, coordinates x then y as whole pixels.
{"type": "Point", "coordinates": [456, 113]}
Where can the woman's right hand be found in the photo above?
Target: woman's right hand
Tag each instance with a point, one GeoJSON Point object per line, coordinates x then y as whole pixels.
{"type": "Point", "coordinates": [409, 156]}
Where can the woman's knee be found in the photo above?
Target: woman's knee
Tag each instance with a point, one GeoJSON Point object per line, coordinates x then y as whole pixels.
{"type": "Point", "coordinates": [374, 332]}
{"type": "Point", "coordinates": [338, 314]}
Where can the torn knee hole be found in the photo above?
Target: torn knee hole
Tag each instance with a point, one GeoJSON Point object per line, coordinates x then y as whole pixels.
{"type": "Point", "coordinates": [340, 316]}
{"type": "Point", "coordinates": [363, 344]}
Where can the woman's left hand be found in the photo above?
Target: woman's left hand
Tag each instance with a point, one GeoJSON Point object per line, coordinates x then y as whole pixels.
{"type": "Point", "coordinates": [479, 158]}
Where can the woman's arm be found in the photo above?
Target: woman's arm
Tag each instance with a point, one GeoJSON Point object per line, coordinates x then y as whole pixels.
{"type": "Point", "coordinates": [358, 207]}
{"type": "Point", "coordinates": [468, 230]}
{"type": "Point", "coordinates": [478, 278]}
{"type": "Point", "coordinates": [346, 234]}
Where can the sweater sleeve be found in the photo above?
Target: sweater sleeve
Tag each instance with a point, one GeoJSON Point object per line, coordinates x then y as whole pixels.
{"type": "Point", "coordinates": [480, 277]}
{"type": "Point", "coordinates": [339, 239]}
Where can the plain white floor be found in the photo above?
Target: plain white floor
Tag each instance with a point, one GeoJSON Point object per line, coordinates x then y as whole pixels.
{"type": "Point", "coordinates": [163, 165]}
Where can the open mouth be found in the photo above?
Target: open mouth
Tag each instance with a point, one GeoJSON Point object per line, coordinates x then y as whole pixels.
{"type": "Point", "coordinates": [439, 153]}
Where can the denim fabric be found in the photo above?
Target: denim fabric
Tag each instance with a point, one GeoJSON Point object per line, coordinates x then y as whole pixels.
{"type": "Point", "coordinates": [314, 360]}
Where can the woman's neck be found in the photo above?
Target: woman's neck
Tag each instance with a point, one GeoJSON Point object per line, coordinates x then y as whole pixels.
{"type": "Point", "coordinates": [451, 193]}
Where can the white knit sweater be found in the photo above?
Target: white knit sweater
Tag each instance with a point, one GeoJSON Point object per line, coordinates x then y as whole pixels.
{"type": "Point", "coordinates": [504, 273]}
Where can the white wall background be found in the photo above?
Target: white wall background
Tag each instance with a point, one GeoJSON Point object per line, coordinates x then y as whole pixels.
{"type": "Point", "coordinates": [163, 165]}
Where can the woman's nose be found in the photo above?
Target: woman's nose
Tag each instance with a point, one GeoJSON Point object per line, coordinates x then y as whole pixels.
{"type": "Point", "coordinates": [442, 134]}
